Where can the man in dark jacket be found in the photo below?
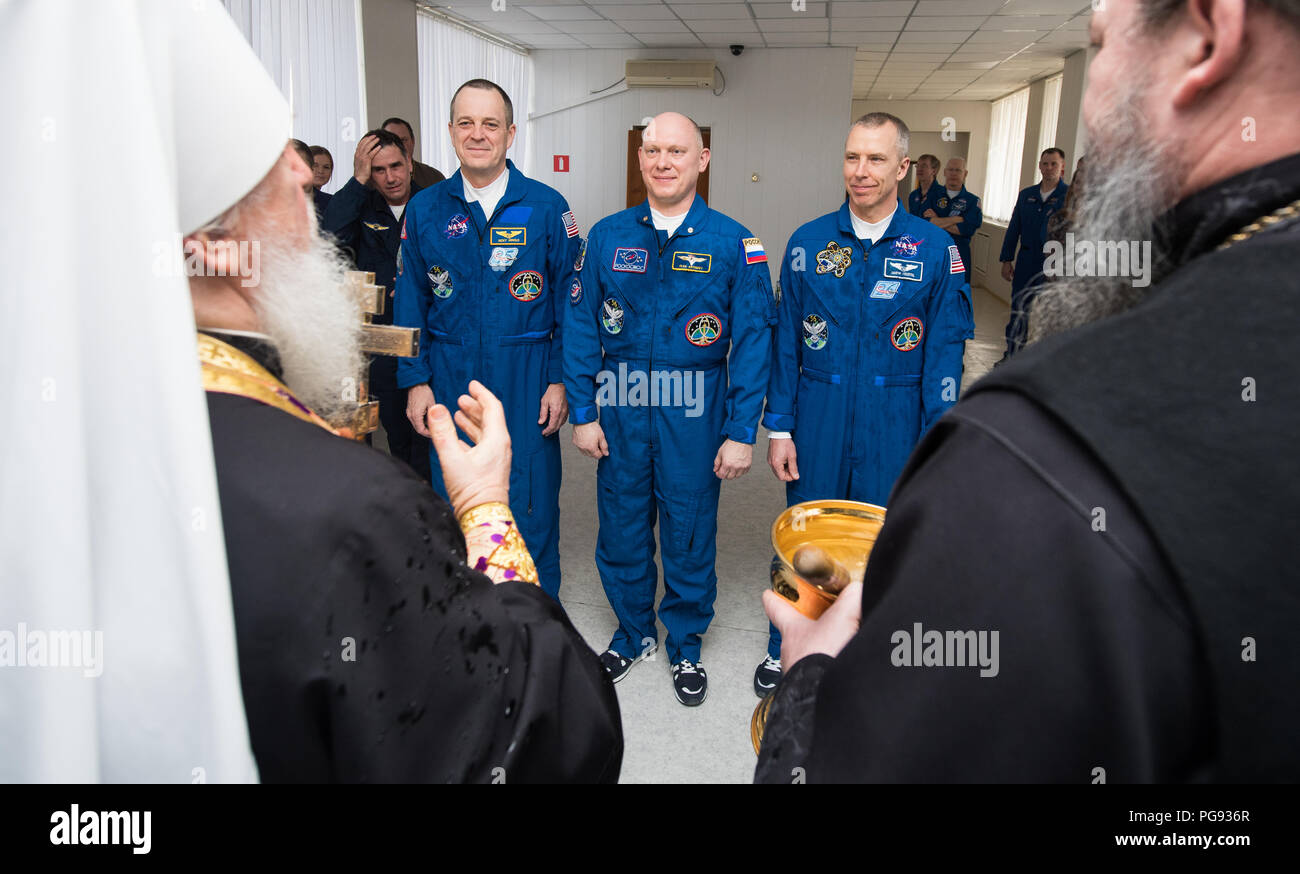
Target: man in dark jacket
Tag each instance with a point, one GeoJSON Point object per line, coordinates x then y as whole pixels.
{"type": "Point", "coordinates": [366, 217]}
{"type": "Point", "coordinates": [1142, 628]}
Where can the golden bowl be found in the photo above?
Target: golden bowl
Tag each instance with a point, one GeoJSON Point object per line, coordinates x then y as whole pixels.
{"type": "Point", "coordinates": [846, 530]}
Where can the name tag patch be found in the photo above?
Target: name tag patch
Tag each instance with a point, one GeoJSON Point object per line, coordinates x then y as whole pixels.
{"type": "Point", "coordinates": [900, 268]}
{"type": "Point", "coordinates": [628, 260]}
{"type": "Point", "coordinates": [692, 262]}
{"type": "Point", "coordinates": [885, 289]}
{"type": "Point", "coordinates": [509, 237]}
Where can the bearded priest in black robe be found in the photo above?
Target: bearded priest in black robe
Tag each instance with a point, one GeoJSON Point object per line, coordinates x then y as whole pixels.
{"type": "Point", "coordinates": [382, 634]}
{"type": "Point", "coordinates": [1088, 569]}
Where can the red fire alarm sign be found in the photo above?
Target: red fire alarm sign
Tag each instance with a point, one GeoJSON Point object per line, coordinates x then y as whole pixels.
{"type": "Point", "coordinates": [561, 163]}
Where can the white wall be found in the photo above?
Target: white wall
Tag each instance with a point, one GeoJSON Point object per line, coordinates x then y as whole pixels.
{"type": "Point", "coordinates": [784, 115]}
{"type": "Point", "coordinates": [928, 115]}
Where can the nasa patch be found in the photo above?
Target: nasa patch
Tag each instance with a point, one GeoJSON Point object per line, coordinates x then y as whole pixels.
{"type": "Point", "coordinates": [630, 260]}
{"type": "Point", "coordinates": [440, 282]}
{"type": "Point", "coordinates": [692, 262]}
{"type": "Point", "coordinates": [885, 289]}
{"type": "Point", "coordinates": [906, 335]}
{"type": "Point", "coordinates": [575, 292]}
{"type": "Point", "coordinates": [703, 329]}
{"type": "Point", "coordinates": [896, 268]}
{"type": "Point", "coordinates": [526, 285]}
{"type": "Point", "coordinates": [815, 331]}
{"type": "Point", "coordinates": [503, 258]}
{"type": "Point", "coordinates": [906, 246]}
{"type": "Point", "coordinates": [457, 225]}
{"type": "Point", "coordinates": [611, 315]}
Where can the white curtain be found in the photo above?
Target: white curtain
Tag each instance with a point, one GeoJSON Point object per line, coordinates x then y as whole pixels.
{"type": "Point", "coordinates": [1006, 142]}
{"type": "Point", "coordinates": [1051, 112]}
{"type": "Point", "coordinates": [311, 50]}
{"type": "Point", "coordinates": [449, 56]}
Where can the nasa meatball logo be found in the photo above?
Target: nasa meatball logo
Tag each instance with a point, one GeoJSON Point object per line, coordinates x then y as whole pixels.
{"type": "Point", "coordinates": [526, 285]}
{"type": "Point", "coordinates": [814, 331]}
{"type": "Point", "coordinates": [906, 246]}
{"type": "Point", "coordinates": [906, 335]}
{"type": "Point", "coordinates": [703, 330]}
{"type": "Point", "coordinates": [457, 225]}
{"type": "Point", "coordinates": [611, 315]}
{"type": "Point", "coordinates": [575, 292]}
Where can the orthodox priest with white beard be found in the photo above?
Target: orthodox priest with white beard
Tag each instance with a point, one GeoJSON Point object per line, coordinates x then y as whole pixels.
{"type": "Point", "coordinates": [1113, 514]}
{"type": "Point", "coordinates": [382, 634]}
{"type": "Point", "coordinates": [372, 645]}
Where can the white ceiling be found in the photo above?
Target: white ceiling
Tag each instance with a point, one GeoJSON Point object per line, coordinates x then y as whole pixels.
{"type": "Point", "coordinates": [906, 49]}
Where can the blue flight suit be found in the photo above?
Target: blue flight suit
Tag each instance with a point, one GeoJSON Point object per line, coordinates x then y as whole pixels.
{"type": "Point", "coordinates": [358, 217]}
{"type": "Point", "coordinates": [653, 305]}
{"type": "Point", "coordinates": [486, 293]}
{"type": "Point", "coordinates": [867, 353]}
{"type": "Point", "coordinates": [967, 206]}
{"type": "Point", "coordinates": [1028, 226]}
{"type": "Point", "coordinates": [917, 205]}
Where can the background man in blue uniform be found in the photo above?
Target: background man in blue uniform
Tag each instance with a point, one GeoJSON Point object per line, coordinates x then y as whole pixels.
{"type": "Point", "coordinates": [874, 316]}
{"type": "Point", "coordinates": [365, 217]}
{"type": "Point", "coordinates": [667, 287]}
{"type": "Point", "coordinates": [1034, 206]}
{"type": "Point", "coordinates": [926, 192]}
{"type": "Point", "coordinates": [485, 256]}
{"type": "Point", "coordinates": [955, 209]}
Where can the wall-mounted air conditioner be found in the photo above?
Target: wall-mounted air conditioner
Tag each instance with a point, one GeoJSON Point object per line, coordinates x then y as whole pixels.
{"type": "Point", "coordinates": [675, 73]}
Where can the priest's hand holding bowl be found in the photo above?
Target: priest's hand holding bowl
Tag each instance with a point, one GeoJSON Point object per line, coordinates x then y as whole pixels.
{"type": "Point", "coordinates": [478, 474]}
{"type": "Point", "coordinates": [801, 636]}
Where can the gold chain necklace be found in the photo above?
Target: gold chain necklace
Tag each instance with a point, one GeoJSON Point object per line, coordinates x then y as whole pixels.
{"type": "Point", "coordinates": [1282, 214]}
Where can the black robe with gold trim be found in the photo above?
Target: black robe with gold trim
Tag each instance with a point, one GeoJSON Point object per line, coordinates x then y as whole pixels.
{"type": "Point", "coordinates": [368, 651]}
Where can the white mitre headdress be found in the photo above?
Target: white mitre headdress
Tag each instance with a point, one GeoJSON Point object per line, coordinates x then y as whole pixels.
{"type": "Point", "coordinates": [128, 123]}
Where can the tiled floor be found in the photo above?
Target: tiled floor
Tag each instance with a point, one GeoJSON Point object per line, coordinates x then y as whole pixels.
{"type": "Point", "coordinates": [664, 741]}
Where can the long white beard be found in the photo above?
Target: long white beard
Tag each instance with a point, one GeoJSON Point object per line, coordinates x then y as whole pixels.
{"type": "Point", "coordinates": [1131, 182]}
{"type": "Point", "coordinates": [314, 322]}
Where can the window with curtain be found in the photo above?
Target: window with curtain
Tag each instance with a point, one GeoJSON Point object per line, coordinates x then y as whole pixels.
{"type": "Point", "coordinates": [1051, 112]}
{"type": "Point", "coordinates": [449, 56]}
{"type": "Point", "coordinates": [1006, 142]}
{"type": "Point", "coordinates": [311, 50]}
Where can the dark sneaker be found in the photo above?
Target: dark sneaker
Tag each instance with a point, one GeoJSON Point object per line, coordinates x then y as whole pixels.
{"type": "Point", "coordinates": [766, 676]}
{"type": "Point", "coordinates": [690, 683]}
{"type": "Point", "coordinates": [617, 666]}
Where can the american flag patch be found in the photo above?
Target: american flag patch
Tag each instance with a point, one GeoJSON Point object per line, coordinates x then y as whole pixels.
{"type": "Point", "coordinates": [754, 253]}
{"type": "Point", "coordinates": [955, 264]}
{"type": "Point", "coordinates": [570, 223]}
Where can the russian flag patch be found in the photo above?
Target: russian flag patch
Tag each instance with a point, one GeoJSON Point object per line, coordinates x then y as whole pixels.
{"type": "Point", "coordinates": [570, 223]}
{"type": "Point", "coordinates": [754, 253]}
{"type": "Point", "coordinates": [955, 264]}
